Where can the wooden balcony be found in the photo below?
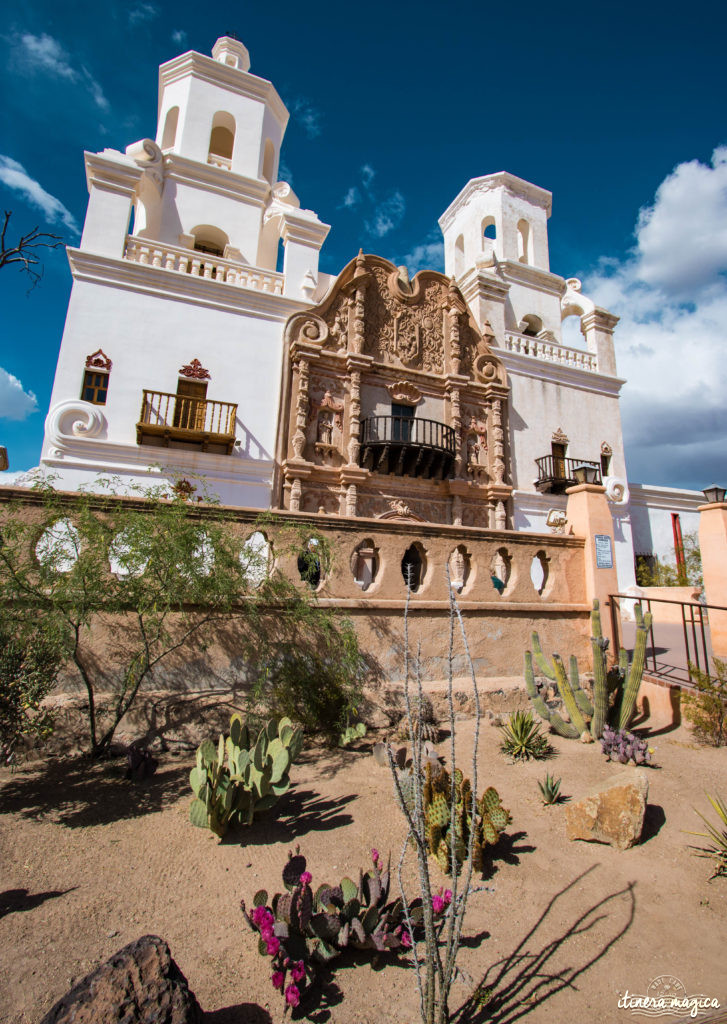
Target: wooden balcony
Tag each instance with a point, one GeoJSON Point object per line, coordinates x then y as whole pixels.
{"type": "Point", "coordinates": [179, 421]}
{"type": "Point", "coordinates": [556, 473]}
{"type": "Point", "coordinates": [408, 446]}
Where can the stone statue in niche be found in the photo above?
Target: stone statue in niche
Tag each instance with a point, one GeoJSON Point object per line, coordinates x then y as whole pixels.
{"type": "Point", "coordinates": [325, 428]}
{"type": "Point", "coordinates": [328, 417]}
{"type": "Point", "coordinates": [476, 449]}
{"type": "Point", "coordinates": [457, 569]}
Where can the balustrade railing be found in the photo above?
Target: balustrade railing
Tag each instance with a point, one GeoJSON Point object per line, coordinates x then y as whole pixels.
{"type": "Point", "coordinates": [550, 352]}
{"type": "Point", "coordinates": [201, 264]}
{"type": "Point", "coordinates": [556, 472]}
{"type": "Point", "coordinates": [409, 430]}
{"type": "Point", "coordinates": [181, 417]}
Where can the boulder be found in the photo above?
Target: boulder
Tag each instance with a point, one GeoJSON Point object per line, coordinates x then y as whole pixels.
{"type": "Point", "coordinates": [613, 813]}
{"type": "Point", "coordinates": [141, 984]}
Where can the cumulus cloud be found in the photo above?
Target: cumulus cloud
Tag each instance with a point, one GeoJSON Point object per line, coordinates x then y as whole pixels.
{"type": "Point", "coordinates": [45, 54]}
{"type": "Point", "coordinates": [306, 115]}
{"type": "Point", "coordinates": [429, 255]}
{"type": "Point", "coordinates": [15, 177]}
{"type": "Point", "coordinates": [382, 212]}
{"type": "Point", "coordinates": [142, 12]}
{"type": "Point", "coordinates": [671, 295]}
{"type": "Point", "coordinates": [15, 402]}
{"type": "Point", "coordinates": [179, 36]}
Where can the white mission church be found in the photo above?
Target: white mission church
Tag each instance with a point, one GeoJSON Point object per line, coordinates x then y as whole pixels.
{"type": "Point", "coordinates": [187, 353]}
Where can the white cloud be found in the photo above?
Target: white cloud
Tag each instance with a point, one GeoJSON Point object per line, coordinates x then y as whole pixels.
{"type": "Point", "coordinates": [142, 12]}
{"type": "Point", "coordinates": [388, 215]}
{"type": "Point", "coordinates": [179, 36]}
{"type": "Point", "coordinates": [427, 256]}
{"type": "Point", "coordinates": [15, 403]}
{"type": "Point", "coordinates": [671, 295]}
{"type": "Point", "coordinates": [306, 114]}
{"type": "Point", "coordinates": [15, 177]}
{"type": "Point", "coordinates": [45, 54]}
{"type": "Point", "coordinates": [351, 199]}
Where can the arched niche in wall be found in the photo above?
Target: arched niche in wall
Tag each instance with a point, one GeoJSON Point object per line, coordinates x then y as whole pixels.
{"type": "Point", "coordinates": [460, 566]}
{"type": "Point", "coordinates": [414, 566]}
{"type": "Point", "coordinates": [365, 563]}
{"type": "Point", "coordinates": [210, 239]}
{"type": "Point", "coordinates": [126, 558]}
{"type": "Point", "coordinates": [310, 563]}
{"type": "Point", "coordinates": [500, 570]}
{"type": "Point", "coordinates": [489, 229]}
{"type": "Point", "coordinates": [531, 325]}
{"type": "Point", "coordinates": [222, 138]}
{"type": "Point", "coordinates": [171, 121]}
{"type": "Point", "coordinates": [59, 546]}
{"type": "Point", "coordinates": [540, 571]}
{"type": "Point", "coordinates": [256, 559]}
{"type": "Point", "coordinates": [459, 256]}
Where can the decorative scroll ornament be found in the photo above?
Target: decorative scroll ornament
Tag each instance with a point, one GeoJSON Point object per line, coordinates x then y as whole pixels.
{"type": "Point", "coordinates": [74, 419]}
{"type": "Point", "coordinates": [556, 520]}
{"type": "Point", "coordinates": [195, 371]}
{"type": "Point", "coordinates": [399, 510]}
{"type": "Point", "coordinates": [146, 154]}
{"type": "Point", "coordinates": [404, 391]}
{"type": "Point", "coordinates": [98, 360]}
{"type": "Point", "coordinates": [559, 437]}
{"type": "Point", "coordinates": [617, 490]}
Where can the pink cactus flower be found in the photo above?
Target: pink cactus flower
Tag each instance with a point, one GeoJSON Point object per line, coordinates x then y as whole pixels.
{"type": "Point", "coordinates": [374, 855]}
{"type": "Point", "coordinates": [292, 995]}
{"type": "Point", "coordinates": [297, 972]}
{"type": "Point", "coordinates": [258, 915]}
{"type": "Point", "coordinates": [447, 896]}
{"type": "Point", "coordinates": [273, 945]}
{"type": "Point", "coordinates": [306, 878]}
{"type": "Point", "coordinates": [405, 939]}
{"type": "Point", "coordinates": [266, 930]}
{"type": "Point", "coordinates": [438, 904]}
{"type": "Point", "coordinates": [278, 979]}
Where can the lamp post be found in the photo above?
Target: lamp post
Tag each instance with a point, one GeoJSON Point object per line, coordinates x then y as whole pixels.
{"type": "Point", "coordinates": [586, 474]}
{"type": "Point", "coordinates": [714, 494]}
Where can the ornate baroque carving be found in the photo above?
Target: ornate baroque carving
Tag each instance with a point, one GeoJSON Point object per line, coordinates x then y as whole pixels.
{"type": "Point", "coordinates": [301, 408]}
{"type": "Point", "coordinates": [195, 371]}
{"type": "Point", "coordinates": [404, 391]}
{"type": "Point", "coordinates": [559, 437]}
{"type": "Point", "coordinates": [98, 360]}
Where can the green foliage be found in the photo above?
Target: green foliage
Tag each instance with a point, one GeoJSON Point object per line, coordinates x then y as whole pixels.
{"type": "Point", "coordinates": [242, 776]}
{"type": "Point", "coordinates": [29, 663]}
{"type": "Point", "coordinates": [550, 789]}
{"type": "Point", "coordinates": [448, 834]}
{"type": "Point", "coordinates": [302, 929]}
{"type": "Point", "coordinates": [522, 738]}
{"type": "Point", "coordinates": [717, 850]}
{"type": "Point", "coordinates": [706, 709]}
{"type": "Point", "coordinates": [669, 574]}
{"type": "Point", "coordinates": [615, 689]}
{"type": "Point", "coordinates": [181, 578]}
{"type": "Point", "coordinates": [352, 733]}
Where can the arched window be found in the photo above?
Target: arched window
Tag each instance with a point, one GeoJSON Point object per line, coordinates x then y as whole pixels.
{"type": "Point", "coordinates": [269, 162]}
{"type": "Point", "coordinates": [488, 228]}
{"type": "Point", "coordinates": [532, 325]}
{"type": "Point", "coordinates": [523, 241]}
{"type": "Point", "coordinates": [459, 256]}
{"type": "Point", "coordinates": [209, 239]}
{"type": "Point", "coordinates": [222, 139]}
{"type": "Point", "coordinates": [169, 136]}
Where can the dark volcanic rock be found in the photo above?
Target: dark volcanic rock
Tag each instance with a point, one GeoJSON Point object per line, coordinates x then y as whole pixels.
{"type": "Point", "coordinates": [141, 984]}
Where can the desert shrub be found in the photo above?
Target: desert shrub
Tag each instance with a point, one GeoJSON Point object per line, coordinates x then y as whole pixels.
{"type": "Point", "coordinates": [622, 746]}
{"type": "Point", "coordinates": [29, 663]}
{"type": "Point", "coordinates": [669, 574]}
{"type": "Point", "coordinates": [717, 850]}
{"type": "Point", "coordinates": [522, 738]}
{"type": "Point", "coordinates": [706, 709]}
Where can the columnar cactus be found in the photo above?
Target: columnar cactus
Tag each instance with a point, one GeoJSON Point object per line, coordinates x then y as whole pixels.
{"type": "Point", "coordinates": [614, 690]}
{"type": "Point", "coordinates": [239, 778]}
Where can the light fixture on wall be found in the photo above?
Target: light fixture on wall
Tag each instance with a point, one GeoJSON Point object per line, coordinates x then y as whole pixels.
{"type": "Point", "coordinates": [586, 474]}
{"type": "Point", "coordinates": [714, 493]}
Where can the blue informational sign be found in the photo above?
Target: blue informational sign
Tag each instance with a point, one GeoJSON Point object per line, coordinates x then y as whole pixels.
{"type": "Point", "coordinates": [604, 551]}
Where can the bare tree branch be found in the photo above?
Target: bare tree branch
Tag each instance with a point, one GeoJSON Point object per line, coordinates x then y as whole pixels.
{"type": "Point", "coordinates": [24, 252]}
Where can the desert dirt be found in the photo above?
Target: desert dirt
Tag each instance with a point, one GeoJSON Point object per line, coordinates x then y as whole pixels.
{"type": "Point", "coordinates": [90, 861]}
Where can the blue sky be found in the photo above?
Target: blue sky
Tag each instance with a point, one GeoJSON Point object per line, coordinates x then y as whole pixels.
{"type": "Point", "coordinates": [618, 109]}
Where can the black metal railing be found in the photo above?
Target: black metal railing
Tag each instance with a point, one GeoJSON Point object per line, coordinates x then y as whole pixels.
{"type": "Point", "coordinates": [555, 473]}
{"type": "Point", "coordinates": [407, 445]}
{"type": "Point", "coordinates": [676, 642]}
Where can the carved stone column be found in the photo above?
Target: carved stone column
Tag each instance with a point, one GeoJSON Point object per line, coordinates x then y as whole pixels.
{"type": "Point", "coordinates": [498, 438]}
{"type": "Point", "coordinates": [500, 516]}
{"type": "Point", "coordinates": [351, 498]}
{"type": "Point", "coordinates": [354, 420]}
{"type": "Point", "coordinates": [296, 490]}
{"type": "Point", "coordinates": [456, 510]}
{"type": "Point", "coordinates": [301, 408]}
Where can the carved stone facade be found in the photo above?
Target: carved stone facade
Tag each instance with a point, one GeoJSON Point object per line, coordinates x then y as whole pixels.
{"type": "Point", "coordinates": [393, 403]}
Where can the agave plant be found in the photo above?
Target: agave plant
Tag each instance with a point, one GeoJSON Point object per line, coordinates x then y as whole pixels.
{"type": "Point", "coordinates": [550, 790]}
{"type": "Point", "coordinates": [718, 848]}
{"type": "Point", "coordinates": [522, 738]}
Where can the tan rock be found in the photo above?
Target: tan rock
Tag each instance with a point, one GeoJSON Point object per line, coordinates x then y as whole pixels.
{"type": "Point", "coordinates": [613, 813]}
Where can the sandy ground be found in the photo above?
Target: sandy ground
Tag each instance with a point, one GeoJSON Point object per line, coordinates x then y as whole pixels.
{"type": "Point", "coordinates": [89, 862]}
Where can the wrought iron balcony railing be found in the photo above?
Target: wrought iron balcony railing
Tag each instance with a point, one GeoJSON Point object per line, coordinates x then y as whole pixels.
{"type": "Point", "coordinates": [555, 473]}
{"type": "Point", "coordinates": [206, 424]}
{"type": "Point", "coordinates": [408, 446]}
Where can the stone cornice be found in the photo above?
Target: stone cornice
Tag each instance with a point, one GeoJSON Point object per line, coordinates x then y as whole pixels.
{"type": "Point", "coordinates": [215, 179]}
{"type": "Point", "coordinates": [304, 229]}
{"type": "Point", "coordinates": [557, 373]}
{"type": "Point", "coordinates": [242, 83]}
{"type": "Point", "coordinates": [532, 277]}
{"type": "Point", "coordinates": [168, 284]}
{"type": "Point", "coordinates": [599, 317]}
{"type": "Point", "coordinates": [671, 498]}
{"type": "Point", "coordinates": [112, 172]}
{"type": "Point", "coordinates": [479, 282]}
{"type": "Point", "coordinates": [488, 183]}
